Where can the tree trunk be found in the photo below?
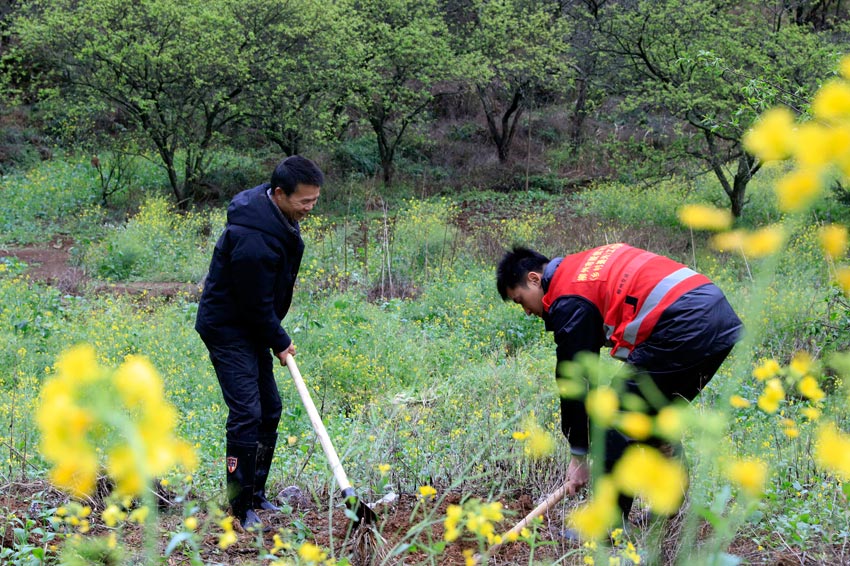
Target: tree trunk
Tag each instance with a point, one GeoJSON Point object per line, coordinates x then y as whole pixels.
{"type": "Point", "coordinates": [576, 132]}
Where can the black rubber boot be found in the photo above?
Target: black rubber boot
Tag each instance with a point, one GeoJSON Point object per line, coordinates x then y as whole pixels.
{"type": "Point", "coordinates": [241, 465]}
{"type": "Point", "coordinates": [265, 453]}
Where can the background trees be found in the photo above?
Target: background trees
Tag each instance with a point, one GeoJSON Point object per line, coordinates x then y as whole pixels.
{"type": "Point", "coordinates": [668, 87]}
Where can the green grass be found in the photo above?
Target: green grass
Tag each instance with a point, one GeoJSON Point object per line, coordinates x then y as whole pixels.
{"type": "Point", "coordinates": [431, 374]}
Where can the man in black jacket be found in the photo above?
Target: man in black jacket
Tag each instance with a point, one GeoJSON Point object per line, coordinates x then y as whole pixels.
{"type": "Point", "coordinates": [672, 325]}
{"type": "Point", "coordinates": [247, 293]}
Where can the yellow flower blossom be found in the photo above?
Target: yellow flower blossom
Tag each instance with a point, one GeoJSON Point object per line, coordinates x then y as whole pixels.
{"type": "Point", "coordinates": [78, 364]}
{"type": "Point", "coordinates": [602, 405]}
{"type": "Point", "coordinates": [802, 363]}
{"type": "Point", "coordinates": [644, 471]}
{"type": "Point", "coordinates": [703, 217]}
{"type": "Point", "coordinates": [738, 402]}
{"type": "Point", "coordinates": [384, 469]}
{"type": "Point", "coordinates": [832, 101]}
{"type": "Point", "coordinates": [772, 136]}
{"type": "Point", "coordinates": [669, 422]}
{"type": "Point", "coordinates": [520, 435]}
{"type": "Point", "coordinates": [311, 553]}
{"type": "Point", "coordinates": [832, 451]}
{"type": "Point", "coordinates": [191, 523]}
{"type": "Point", "coordinates": [749, 475]}
{"type": "Point", "coordinates": [636, 425]}
{"type": "Point", "coordinates": [469, 557]}
{"type": "Point", "coordinates": [768, 369]}
{"type": "Point", "coordinates": [813, 148]}
{"type": "Point", "coordinates": [833, 240]}
{"type": "Point", "coordinates": [811, 413]}
{"type": "Point", "coordinates": [729, 241]}
{"type": "Point", "coordinates": [797, 189]}
{"type": "Point", "coordinates": [772, 395]}
{"type": "Point", "coordinates": [139, 515]}
{"type": "Point", "coordinates": [539, 443]}
{"type": "Point", "coordinates": [593, 519]}
{"type": "Point", "coordinates": [842, 277]}
{"type": "Point", "coordinates": [764, 241]}
{"type": "Point", "coordinates": [426, 492]}
{"type": "Point", "coordinates": [809, 388]}
{"type": "Point", "coordinates": [112, 515]}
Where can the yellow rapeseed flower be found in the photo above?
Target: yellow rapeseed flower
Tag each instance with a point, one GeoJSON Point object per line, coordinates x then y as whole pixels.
{"type": "Point", "coordinates": [738, 402]}
{"type": "Point", "coordinates": [842, 277]}
{"type": "Point", "coordinates": [729, 241]}
{"type": "Point", "coordinates": [802, 363]}
{"type": "Point", "coordinates": [636, 425]}
{"type": "Point", "coordinates": [809, 388]}
{"type": "Point", "coordinates": [520, 435]}
{"type": "Point", "coordinates": [813, 147]}
{"type": "Point", "coordinates": [76, 473]}
{"type": "Point", "coordinates": [797, 189]}
{"type": "Point", "coordinates": [469, 557]}
{"type": "Point", "coordinates": [833, 240]}
{"type": "Point", "coordinates": [538, 443]}
{"type": "Point", "coordinates": [78, 364]}
{"type": "Point", "coordinates": [669, 422]}
{"type": "Point", "coordinates": [644, 471]}
{"type": "Point", "coordinates": [749, 475]}
{"type": "Point", "coordinates": [602, 405]}
{"type": "Point", "coordinates": [832, 451]}
{"type": "Point", "coordinates": [309, 552]}
{"type": "Point", "coordinates": [112, 515]}
{"type": "Point", "coordinates": [811, 413]}
{"type": "Point", "coordinates": [772, 395]}
{"type": "Point", "coordinates": [425, 492]}
{"type": "Point", "coordinates": [593, 519]}
{"type": "Point", "coordinates": [703, 217]}
{"type": "Point", "coordinates": [384, 469]}
{"type": "Point", "coordinates": [138, 382]}
{"type": "Point", "coordinates": [191, 523]}
{"type": "Point", "coordinates": [772, 136]}
{"type": "Point", "coordinates": [832, 101]}
{"type": "Point", "coordinates": [768, 369]}
{"type": "Point", "coordinates": [764, 241]}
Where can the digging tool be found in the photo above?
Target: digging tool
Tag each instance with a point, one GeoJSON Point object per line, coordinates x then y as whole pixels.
{"type": "Point", "coordinates": [550, 501]}
{"type": "Point", "coordinates": [364, 513]}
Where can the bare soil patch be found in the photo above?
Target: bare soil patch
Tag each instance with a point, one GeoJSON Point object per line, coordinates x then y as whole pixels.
{"type": "Point", "coordinates": [51, 264]}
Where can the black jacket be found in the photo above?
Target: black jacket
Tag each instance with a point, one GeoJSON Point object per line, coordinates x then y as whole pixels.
{"type": "Point", "coordinates": [252, 274]}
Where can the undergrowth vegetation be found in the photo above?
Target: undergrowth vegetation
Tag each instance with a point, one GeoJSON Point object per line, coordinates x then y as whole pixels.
{"type": "Point", "coordinates": [425, 378]}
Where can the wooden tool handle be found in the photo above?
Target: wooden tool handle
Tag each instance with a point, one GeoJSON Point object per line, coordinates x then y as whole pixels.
{"type": "Point", "coordinates": [555, 497]}
{"type": "Point", "coordinates": [318, 426]}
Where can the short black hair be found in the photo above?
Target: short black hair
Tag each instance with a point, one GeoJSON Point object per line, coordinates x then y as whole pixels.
{"type": "Point", "coordinates": [294, 170]}
{"type": "Point", "coordinates": [515, 265]}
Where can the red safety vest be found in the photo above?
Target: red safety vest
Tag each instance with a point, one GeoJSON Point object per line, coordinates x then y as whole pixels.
{"type": "Point", "coordinates": [630, 287]}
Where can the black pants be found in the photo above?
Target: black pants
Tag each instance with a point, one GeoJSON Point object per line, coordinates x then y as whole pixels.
{"type": "Point", "coordinates": [659, 389]}
{"type": "Point", "coordinates": [246, 376]}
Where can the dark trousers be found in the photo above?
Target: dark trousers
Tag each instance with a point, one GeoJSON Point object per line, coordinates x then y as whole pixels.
{"type": "Point", "coordinates": [246, 377]}
{"type": "Point", "coordinates": [659, 389]}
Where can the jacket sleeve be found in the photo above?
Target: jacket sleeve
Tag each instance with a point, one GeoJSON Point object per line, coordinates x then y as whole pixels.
{"type": "Point", "coordinates": [576, 325]}
{"type": "Point", "coordinates": [255, 267]}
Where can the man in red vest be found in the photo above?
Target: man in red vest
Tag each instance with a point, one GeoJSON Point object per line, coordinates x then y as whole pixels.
{"type": "Point", "coordinates": [670, 323]}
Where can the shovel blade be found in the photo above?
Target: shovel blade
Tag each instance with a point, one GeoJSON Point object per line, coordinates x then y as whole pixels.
{"type": "Point", "coordinates": [365, 515]}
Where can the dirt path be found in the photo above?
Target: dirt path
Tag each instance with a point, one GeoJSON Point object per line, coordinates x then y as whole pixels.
{"type": "Point", "coordinates": [51, 264]}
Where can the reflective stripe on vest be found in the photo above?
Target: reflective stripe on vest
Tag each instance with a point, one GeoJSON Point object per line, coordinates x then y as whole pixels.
{"type": "Point", "coordinates": [654, 299]}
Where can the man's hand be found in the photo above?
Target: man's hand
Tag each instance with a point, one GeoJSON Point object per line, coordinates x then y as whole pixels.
{"type": "Point", "coordinates": [289, 351]}
{"type": "Point", "coordinates": [578, 474]}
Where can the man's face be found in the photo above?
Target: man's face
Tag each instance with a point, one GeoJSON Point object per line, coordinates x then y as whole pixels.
{"type": "Point", "coordinates": [299, 204]}
{"type": "Point", "coordinates": [529, 295]}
